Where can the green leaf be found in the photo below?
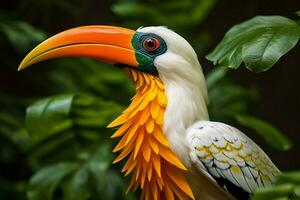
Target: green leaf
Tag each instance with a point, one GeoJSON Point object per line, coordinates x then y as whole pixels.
{"type": "Point", "coordinates": [49, 115]}
{"type": "Point", "coordinates": [215, 76]}
{"type": "Point", "coordinates": [228, 98]}
{"type": "Point", "coordinates": [289, 177]}
{"type": "Point", "coordinates": [200, 10]}
{"type": "Point", "coordinates": [258, 42]}
{"type": "Point", "coordinates": [297, 191]}
{"type": "Point", "coordinates": [99, 165]}
{"type": "Point", "coordinates": [43, 184]}
{"type": "Point", "coordinates": [271, 192]}
{"type": "Point", "coordinates": [21, 35]}
{"type": "Point", "coordinates": [106, 182]}
{"type": "Point", "coordinates": [298, 12]}
{"type": "Point", "coordinates": [131, 10]}
{"type": "Point", "coordinates": [271, 135]}
{"type": "Point", "coordinates": [282, 198]}
{"type": "Point", "coordinates": [77, 187]}
{"type": "Point", "coordinates": [175, 14]}
{"type": "Point", "coordinates": [286, 186]}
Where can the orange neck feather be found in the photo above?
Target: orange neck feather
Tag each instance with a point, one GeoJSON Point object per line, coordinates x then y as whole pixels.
{"type": "Point", "coordinates": [156, 169]}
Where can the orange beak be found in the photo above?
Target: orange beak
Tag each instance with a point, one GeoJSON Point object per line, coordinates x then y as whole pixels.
{"type": "Point", "coordinates": [106, 43]}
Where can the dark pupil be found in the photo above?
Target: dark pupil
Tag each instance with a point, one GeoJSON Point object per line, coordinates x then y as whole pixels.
{"type": "Point", "coordinates": [150, 43]}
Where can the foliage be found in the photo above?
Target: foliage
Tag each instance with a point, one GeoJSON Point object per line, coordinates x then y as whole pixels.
{"type": "Point", "coordinates": [236, 103]}
{"type": "Point", "coordinates": [61, 149]}
{"type": "Point", "coordinates": [21, 35]}
{"type": "Point", "coordinates": [258, 42]}
{"type": "Point", "coordinates": [63, 139]}
{"type": "Point", "coordinates": [287, 186]}
{"type": "Point", "coordinates": [179, 14]}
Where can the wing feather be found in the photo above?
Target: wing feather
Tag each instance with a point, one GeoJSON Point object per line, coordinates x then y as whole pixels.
{"type": "Point", "coordinates": [228, 154]}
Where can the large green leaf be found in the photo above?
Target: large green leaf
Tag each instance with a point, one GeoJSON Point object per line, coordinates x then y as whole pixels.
{"type": "Point", "coordinates": [258, 42]}
{"type": "Point", "coordinates": [271, 135]}
{"type": "Point", "coordinates": [43, 184]}
{"type": "Point", "coordinates": [61, 120]}
{"type": "Point", "coordinates": [49, 115]}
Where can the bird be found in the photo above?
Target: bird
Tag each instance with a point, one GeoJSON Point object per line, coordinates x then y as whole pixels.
{"type": "Point", "coordinates": [170, 147]}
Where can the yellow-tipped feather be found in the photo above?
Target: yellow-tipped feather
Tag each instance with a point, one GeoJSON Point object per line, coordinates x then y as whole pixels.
{"type": "Point", "coordinates": [155, 168]}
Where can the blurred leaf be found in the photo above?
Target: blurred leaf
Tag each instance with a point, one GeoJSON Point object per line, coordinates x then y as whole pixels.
{"type": "Point", "coordinates": [169, 13]}
{"type": "Point", "coordinates": [100, 80]}
{"type": "Point", "coordinates": [94, 112]}
{"type": "Point", "coordinates": [99, 165]}
{"type": "Point", "coordinates": [43, 184]}
{"type": "Point", "coordinates": [298, 13]}
{"type": "Point", "coordinates": [287, 186]}
{"type": "Point", "coordinates": [49, 115]}
{"type": "Point", "coordinates": [271, 135]}
{"type": "Point", "coordinates": [297, 191]}
{"type": "Point", "coordinates": [291, 177]}
{"type": "Point", "coordinates": [21, 35]}
{"type": "Point", "coordinates": [73, 120]}
{"type": "Point", "coordinates": [231, 101]}
{"type": "Point", "coordinates": [77, 186]}
{"type": "Point", "coordinates": [227, 98]}
{"type": "Point", "coordinates": [133, 9]}
{"type": "Point", "coordinates": [272, 192]}
{"type": "Point", "coordinates": [258, 42]}
{"type": "Point", "coordinates": [100, 161]}
{"type": "Point", "coordinates": [49, 149]}
{"type": "Point", "coordinates": [91, 178]}
{"type": "Point", "coordinates": [201, 9]}
{"type": "Point", "coordinates": [215, 76]}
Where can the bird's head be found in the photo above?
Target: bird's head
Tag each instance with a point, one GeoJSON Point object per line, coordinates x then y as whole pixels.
{"type": "Point", "coordinates": [155, 50]}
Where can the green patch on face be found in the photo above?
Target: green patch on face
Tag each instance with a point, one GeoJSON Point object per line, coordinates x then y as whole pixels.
{"type": "Point", "coordinates": [144, 57]}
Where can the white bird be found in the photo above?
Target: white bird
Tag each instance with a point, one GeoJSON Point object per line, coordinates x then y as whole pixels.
{"type": "Point", "coordinates": [173, 150]}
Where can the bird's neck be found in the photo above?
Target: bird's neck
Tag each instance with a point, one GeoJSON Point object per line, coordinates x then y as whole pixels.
{"type": "Point", "coordinates": [155, 167]}
{"type": "Point", "coordinates": [187, 103]}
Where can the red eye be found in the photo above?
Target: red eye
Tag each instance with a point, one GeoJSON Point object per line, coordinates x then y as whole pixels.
{"type": "Point", "coordinates": [151, 44]}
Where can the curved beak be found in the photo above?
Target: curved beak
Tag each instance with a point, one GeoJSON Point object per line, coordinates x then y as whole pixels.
{"type": "Point", "coordinates": [106, 43]}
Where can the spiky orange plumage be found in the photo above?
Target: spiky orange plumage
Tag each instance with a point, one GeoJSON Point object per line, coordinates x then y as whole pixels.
{"type": "Point", "coordinates": [155, 168]}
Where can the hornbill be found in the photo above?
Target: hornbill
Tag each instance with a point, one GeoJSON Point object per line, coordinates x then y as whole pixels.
{"type": "Point", "coordinates": [171, 148]}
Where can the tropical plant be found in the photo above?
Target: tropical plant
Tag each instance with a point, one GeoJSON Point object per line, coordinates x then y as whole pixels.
{"type": "Point", "coordinates": [259, 43]}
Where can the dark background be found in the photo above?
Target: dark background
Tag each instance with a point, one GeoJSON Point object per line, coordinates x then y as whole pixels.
{"type": "Point", "coordinates": [278, 88]}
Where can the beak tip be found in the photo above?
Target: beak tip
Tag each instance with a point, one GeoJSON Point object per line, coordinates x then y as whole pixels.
{"type": "Point", "coordinates": [22, 66]}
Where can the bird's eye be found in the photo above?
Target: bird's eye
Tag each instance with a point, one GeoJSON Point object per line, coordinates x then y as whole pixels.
{"type": "Point", "coordinates": [151, 44]}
